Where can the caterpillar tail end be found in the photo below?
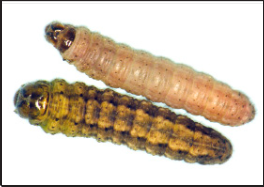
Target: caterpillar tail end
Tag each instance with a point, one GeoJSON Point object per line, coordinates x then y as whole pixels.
{"type": "Point", "coordinates": [220, 158]}
{"type": "Point", "coordinates": [250, 111]}
{"type": "Point", "coordinates": [245, 114]}
{"type": "Point", "coordinates": [228, 152]}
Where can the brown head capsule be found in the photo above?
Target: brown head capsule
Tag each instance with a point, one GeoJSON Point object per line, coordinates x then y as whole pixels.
{"type": "Point", "coordinates": [157, 78]}
{"type": "Point", "coordinates": [80, 110]}
{"type": "Point", "coordinates": [31, 101]}
{"type": "Point", "coordinates": [61, 36]}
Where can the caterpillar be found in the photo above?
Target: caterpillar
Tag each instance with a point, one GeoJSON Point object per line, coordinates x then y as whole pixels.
{"type": "Point", "coordinates": [80, 110]}
{"type": "Point", "coordinates": [157, 78]}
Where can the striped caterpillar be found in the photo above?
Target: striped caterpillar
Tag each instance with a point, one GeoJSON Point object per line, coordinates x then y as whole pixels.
{"type": "Point", "coordinates": [156, 78]}
{"type": "Point", "coordinates": [80, 110]}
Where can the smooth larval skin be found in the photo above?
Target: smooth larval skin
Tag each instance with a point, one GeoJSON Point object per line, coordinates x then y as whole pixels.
{"type": "Point", "coordinates": [81, 110]}
{"type": "Point", "coordinates": [157, 78]}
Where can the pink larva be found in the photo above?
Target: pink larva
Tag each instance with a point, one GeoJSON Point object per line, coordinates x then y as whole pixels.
{"type": "Point", "coordinates": [156, 78]}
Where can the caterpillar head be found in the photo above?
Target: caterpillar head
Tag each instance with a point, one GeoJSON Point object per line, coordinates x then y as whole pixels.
{"type": "Point", "coordinates": [31, 100]}
{"type": "Point", "coordinates": [61, 36]}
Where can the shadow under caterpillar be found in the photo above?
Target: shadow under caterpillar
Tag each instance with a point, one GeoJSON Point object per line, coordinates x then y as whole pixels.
{"type": "Point", "coordinates": [81, 110]}
{"type": "Point", "coordinates": [156, 78]}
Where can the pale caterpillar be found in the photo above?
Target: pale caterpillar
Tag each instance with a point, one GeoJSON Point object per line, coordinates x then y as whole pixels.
{"type": "Point", "coordinates": [80, 110]}
{"type": "Point", "coordinates": [156, 78]}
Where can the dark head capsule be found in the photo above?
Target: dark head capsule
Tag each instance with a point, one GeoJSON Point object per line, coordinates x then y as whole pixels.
{"type": "Point", "coordinates": [31, 100]}
{"type": "Point", "coordinates": [61, 36]}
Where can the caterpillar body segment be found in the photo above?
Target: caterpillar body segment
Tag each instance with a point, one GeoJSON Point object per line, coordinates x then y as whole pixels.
{"type": "Point", "coordinates": [80, 110]}
{"type": "Point", "coordinates": [156, 78]}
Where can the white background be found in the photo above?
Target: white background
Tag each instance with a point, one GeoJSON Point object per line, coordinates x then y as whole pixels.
{"type": "Point", "coordinates": [222, 39]}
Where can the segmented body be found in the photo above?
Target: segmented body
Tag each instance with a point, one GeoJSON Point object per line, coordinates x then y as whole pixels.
{"type": "Point", "coordinates": [80, 110]}
{"type": "Point", "coordinates": [156, 78]}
